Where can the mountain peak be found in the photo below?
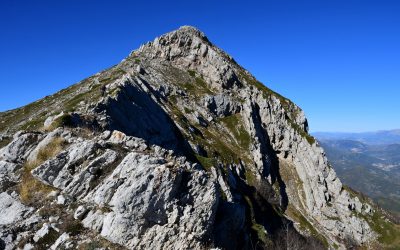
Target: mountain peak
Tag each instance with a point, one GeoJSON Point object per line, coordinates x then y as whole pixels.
{"type": "Point", "coordinates": [172, 44]}
{"type": "Point", "coordinates": [186, 31]}
{"type": "Point", "coordinates": [187, 48]}
{"type": "Point", "coordinates": [175, 147]}
{"type": "Point", "coordinates": [190, 30]}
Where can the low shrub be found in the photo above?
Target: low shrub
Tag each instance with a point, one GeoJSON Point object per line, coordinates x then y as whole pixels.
{"type": "Point", "coordinates": [71, 226]}
{"type": "Point", "coordinates": [66, 120]}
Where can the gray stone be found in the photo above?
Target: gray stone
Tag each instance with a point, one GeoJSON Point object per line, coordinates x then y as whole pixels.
{"type": "Point", "coordinates": [11, 210]}
{"type": "Point", "coordinates": [60, 241]}
{"type": "Point", "coordinates": [53, 194]}
{"type": "Point", "coordinates": [139, 69]}
{"type": "Point", "coordinates": [80, 212]}
{"type": "Point", "coordinates": [17, 150]}
{"type": "Point", "coordinates": [221, 105]}
{"type": "Point", "coordinates": [94, 220]}
{"type": "Point", "coordinates": [42, 232]}
{"type": "Point", "coordinates": [57, 171]}
{"type": "Point", "coordinates": [28, 246]}
{"type": "Point", "coordinates": [81, 182]}
{"type": "Point", "coordinates": [61, 200]}
{"type": "Point", "coordinates": [144, 189]}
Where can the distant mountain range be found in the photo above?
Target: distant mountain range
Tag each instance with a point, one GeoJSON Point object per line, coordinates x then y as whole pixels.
{"type": "Point", "coordinates": [375, 137]}
{"type": "Point", "coordinates": [368, 162]}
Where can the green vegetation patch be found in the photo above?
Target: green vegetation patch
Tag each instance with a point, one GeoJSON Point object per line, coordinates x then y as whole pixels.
{"type": "Point", "coordinates": [250, 178]}
{"type": "Point", "coordinates": [267, 92]}
{"type": "Point", "coordinates": [304, 224]}
{"type": "Point", "coordinates": [261, 232]}
{"type": "Point", "coordinates": [93, 94]}
{"type": "Point", "coordinates": [32, 116]}
{"type": "Point", "coordinates": [206, 162]}
{"type": "Point", "coordinates": [34, 124]}
{"type": "Point", "coordinates": [115, 92]}
{"type": "Point", "coordinates": [65, 120]}
{"type": "Point", "coordinates": [379, 221]}
{"type": "Point", "coordinates": [217, 146]}
{"type": "Point", "coordinates": [301, 132]}
{"type": "Point", "coordinates": [192, 73]}
{"type": "Point", "coordinates": [257, 228]}
{"type": "Point", "coordinates": [387, 230]}
{"type": "Point", "coordinates": [5, 141]}
{"type": "Point", "coordinates": [111, 75]}
{"type": "Point", "coordinates": [197, 87]}
{"type": "Point", "coordinates": [235, 124]}
{"type": "Point", "coordinates": [200, 83]}
{"type": "Point", "coordinates": [187, 110]}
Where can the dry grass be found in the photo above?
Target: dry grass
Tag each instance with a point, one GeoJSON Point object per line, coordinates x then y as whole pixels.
{"type": "Point", "coordinates": [100, 243]}
{"type": "Point", "coordinates": [31, 190]}
{"type": "Point", "coordinates": [72, 226]}
{"type": "Point", "coordinates": [51, 150]}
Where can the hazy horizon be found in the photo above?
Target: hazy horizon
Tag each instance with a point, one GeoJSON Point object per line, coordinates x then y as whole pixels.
{"type": "Point", "coordinates": [357, 132]}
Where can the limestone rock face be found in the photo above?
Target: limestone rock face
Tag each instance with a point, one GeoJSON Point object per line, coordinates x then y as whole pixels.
{"type": "Point", "coordinates": [176, 147]}
{"type": "Point", "coordinates": [221, 105]}
{"type": "Point", "coordinates": [188, 48]}
{"type": "Point", "coordinates": [11, 210]}
{"type": "Point", "coordinates": [18, 149]}
{"type": "Point", "coordinates": [172, 204]}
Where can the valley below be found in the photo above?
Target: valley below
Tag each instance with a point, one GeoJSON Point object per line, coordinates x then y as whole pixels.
{"type": "Point", "coordinates": [367, 162]}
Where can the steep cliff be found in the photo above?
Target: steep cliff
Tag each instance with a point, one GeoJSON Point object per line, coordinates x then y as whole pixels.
{"type": "Point", "coordinates": [179, 147]}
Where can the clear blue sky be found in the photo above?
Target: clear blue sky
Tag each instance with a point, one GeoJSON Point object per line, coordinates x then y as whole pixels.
{"type": "Point", "coordinates": [338, 60]}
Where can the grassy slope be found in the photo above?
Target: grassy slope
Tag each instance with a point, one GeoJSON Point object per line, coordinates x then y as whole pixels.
{"type": "Point", "coordinates": [32, 116]}
{"type": "Point", "coordinates": [382, 222]}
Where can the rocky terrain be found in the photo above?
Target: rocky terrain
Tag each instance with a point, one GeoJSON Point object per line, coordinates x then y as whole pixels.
{"type": "Point", "coordinates": [176, 147]}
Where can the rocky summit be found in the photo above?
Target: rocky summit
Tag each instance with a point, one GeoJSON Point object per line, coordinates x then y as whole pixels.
{"type": "Point", "coordinates": [176, 147]}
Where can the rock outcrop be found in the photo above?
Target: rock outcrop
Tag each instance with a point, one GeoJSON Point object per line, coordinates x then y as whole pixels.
{"type": "Point", "coordinates": [175, 147]}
